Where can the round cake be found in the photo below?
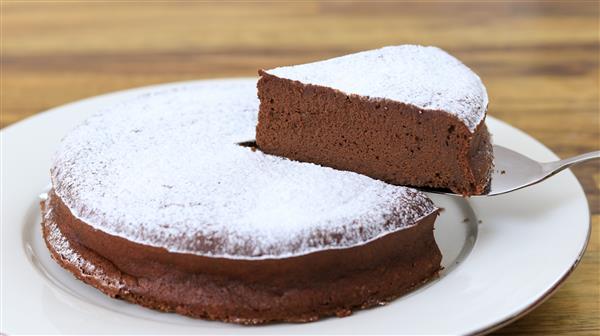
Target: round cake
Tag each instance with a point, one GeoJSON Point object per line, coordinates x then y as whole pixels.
{"type": "Point", "coordinates": [157, 201]}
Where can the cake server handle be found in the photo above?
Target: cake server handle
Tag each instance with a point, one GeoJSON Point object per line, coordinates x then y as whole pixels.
{"type": "Point", "coordinates": [551, 168]}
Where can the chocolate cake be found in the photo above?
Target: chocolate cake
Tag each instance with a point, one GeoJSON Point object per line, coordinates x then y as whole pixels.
{"type": "Point", "coordinates": [155, 202]}
{"type": "Point", "coordinates": [407, 115]}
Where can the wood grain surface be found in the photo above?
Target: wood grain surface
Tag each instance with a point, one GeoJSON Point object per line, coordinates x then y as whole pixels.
{"type": "Point", "coordinates": [539, 61]}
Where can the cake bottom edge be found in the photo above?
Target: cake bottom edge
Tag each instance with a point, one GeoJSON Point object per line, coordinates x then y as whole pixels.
{"type": "Point", "coordinates": [235, 301]}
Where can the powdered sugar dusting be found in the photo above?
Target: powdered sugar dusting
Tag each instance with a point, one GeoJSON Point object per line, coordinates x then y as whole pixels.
{"type": "Point", "coordinates": [426, 77]}
{"type": "Point", "coordinates": [69, 256]}
{"type": "Point", "coordinates": [61, 245]}
{"type": "Point", "coordinates": [164, 169]}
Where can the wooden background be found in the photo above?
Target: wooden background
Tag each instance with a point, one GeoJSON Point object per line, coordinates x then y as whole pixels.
{"type": "Point", "coordinates": [539, 61]}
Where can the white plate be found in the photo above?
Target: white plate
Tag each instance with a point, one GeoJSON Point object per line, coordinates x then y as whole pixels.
{"type": "Point", "coordinates": [510, 254]}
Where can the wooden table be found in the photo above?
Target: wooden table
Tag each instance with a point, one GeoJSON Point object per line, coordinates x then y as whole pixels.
{"type": "Point", "coordinates": [538, 60]}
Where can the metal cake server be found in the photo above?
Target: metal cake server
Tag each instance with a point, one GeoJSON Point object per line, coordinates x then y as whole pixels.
{"type": "Point", "coordinates": [513, 171]}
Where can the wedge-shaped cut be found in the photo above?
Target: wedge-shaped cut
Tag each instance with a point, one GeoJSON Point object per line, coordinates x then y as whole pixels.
{"type": "Point", "coordinates": [407, 115]}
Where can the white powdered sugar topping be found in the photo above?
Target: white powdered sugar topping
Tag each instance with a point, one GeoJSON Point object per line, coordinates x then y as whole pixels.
{"type": "Point", "coordinates": [61, 245]}
{"type": "Point", "coordinates": [63, 250]}
{"type": "Point", "coordinates": [425, 77]}
{"type": "Point", "coordinates": [165, 169]}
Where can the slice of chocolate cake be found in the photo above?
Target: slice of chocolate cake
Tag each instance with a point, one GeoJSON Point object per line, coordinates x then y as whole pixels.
{"type": "Point", "coordinates": [407, 115]}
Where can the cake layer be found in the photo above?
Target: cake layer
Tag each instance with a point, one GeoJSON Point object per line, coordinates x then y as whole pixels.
{"type": "Point", "coordinates": [154, 201]}
{"type": "Point", "coordinates": [165, 170]}
{"type": "Point", "coordinates": [298, 289]}
{"type": "Point", "coordinates": [407, 115]}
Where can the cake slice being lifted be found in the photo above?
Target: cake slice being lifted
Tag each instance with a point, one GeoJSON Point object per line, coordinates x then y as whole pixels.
{"type": "Point", "coordinates": [407, 115]}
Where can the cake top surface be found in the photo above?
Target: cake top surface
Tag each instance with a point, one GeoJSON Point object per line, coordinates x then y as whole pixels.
{"type": "Point", "coordinates": [165, 169]}
{"type": "Point", "coordinates": [425, 77]}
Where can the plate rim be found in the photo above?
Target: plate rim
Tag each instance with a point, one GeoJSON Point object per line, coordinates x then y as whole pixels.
{"type": "Point", "coordinates": [558, 284]}
{"type": "Point", "coordinates": [547, 295]}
